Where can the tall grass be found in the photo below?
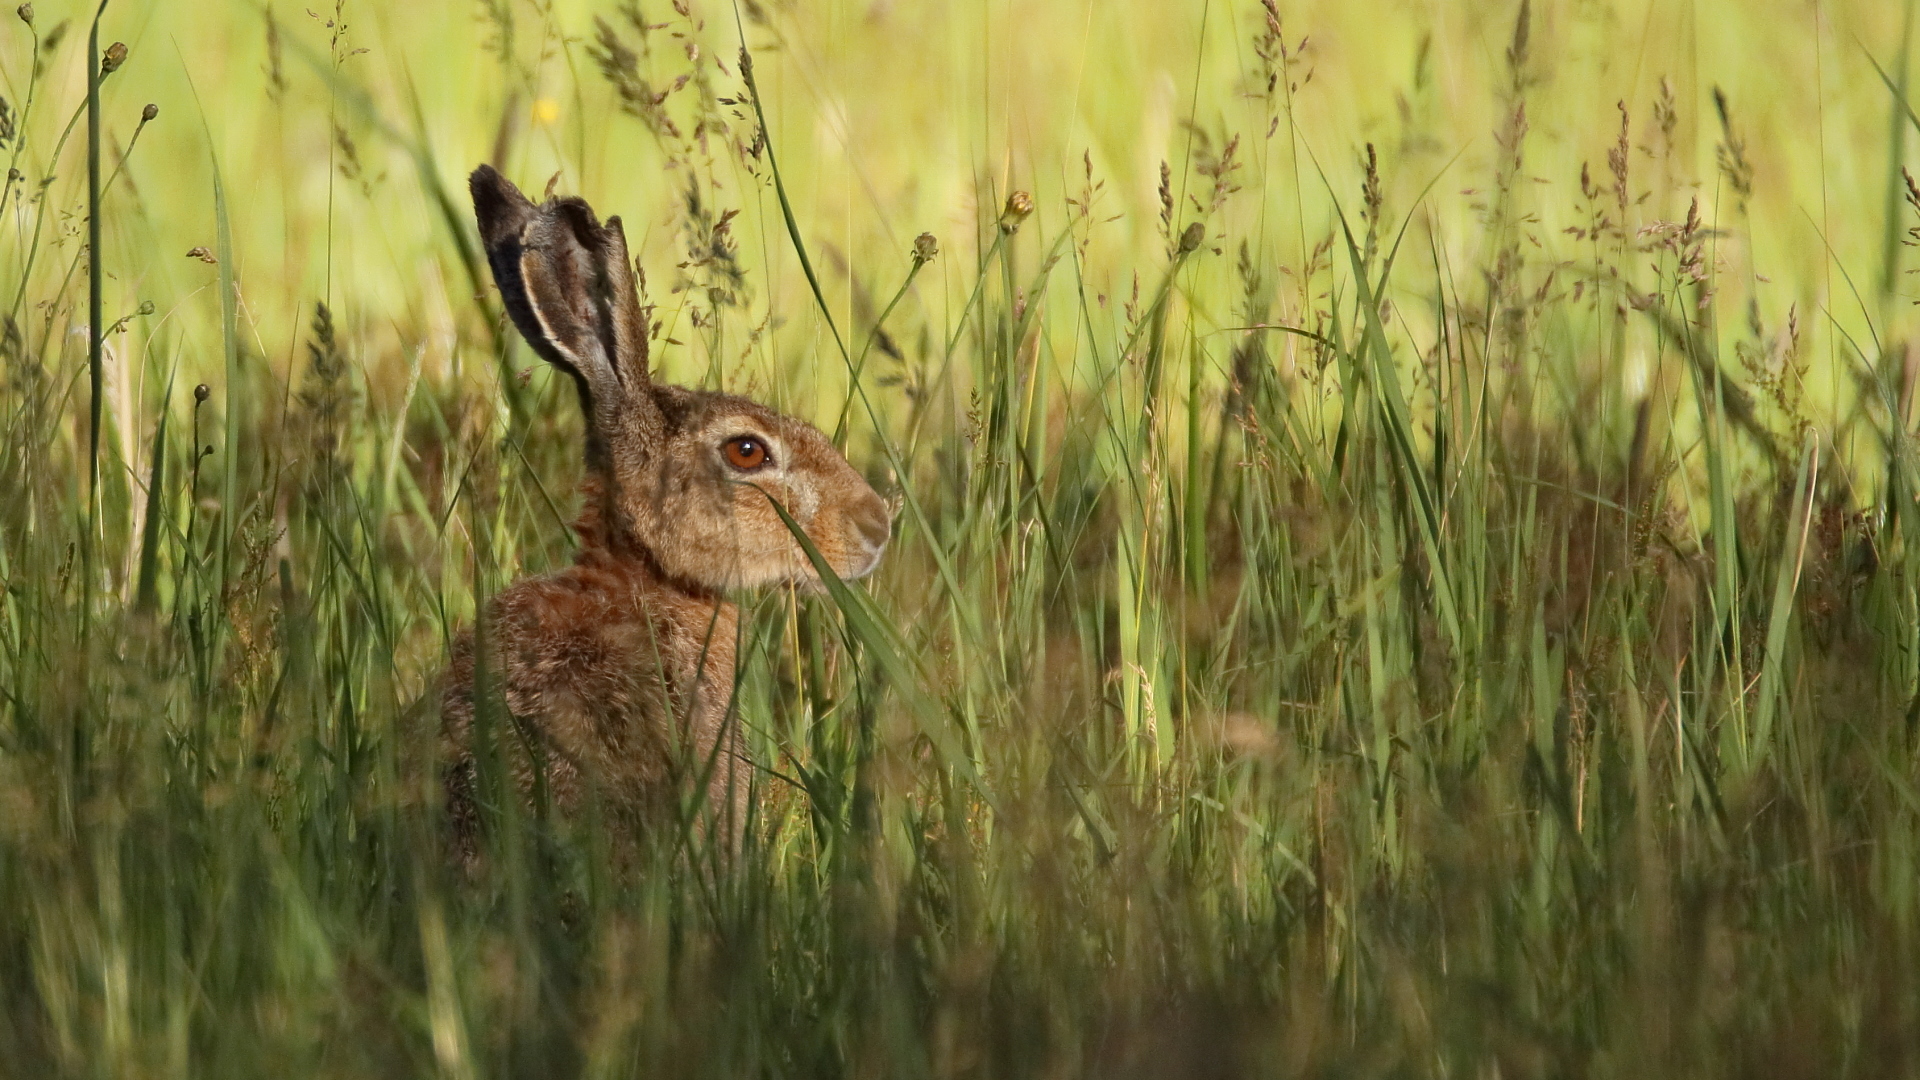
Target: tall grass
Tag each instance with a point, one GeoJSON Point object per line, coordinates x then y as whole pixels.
{"type": "Point", "coordinates": [1404, 565]}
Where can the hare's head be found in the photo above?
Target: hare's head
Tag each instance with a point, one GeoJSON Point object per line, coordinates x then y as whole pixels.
{"type": "Point", "coordinates": [690, 477]}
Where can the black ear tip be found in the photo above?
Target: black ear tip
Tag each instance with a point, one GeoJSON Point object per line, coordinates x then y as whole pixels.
{"type": "Point", "coordinates": [579, 218]}
{"type": "Point", "coordinates": [574, 210]}
{"type": "Point", "coordinates": [498, 205]}
{"type": "Point", "coordinates": [486, 182]}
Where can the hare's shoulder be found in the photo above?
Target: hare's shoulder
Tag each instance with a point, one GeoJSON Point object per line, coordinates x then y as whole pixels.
{"type": "Point", "coordinates": [601, 613]}
{"type": "Point", "coordinates": [593, 644]}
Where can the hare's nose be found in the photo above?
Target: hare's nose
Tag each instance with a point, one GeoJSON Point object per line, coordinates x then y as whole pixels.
{"type": "Point", "coordinates": [873, 521]}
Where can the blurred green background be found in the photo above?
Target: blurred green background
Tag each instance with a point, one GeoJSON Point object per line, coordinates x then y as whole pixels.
{"type": "Point", "coordinates": [894, 120]}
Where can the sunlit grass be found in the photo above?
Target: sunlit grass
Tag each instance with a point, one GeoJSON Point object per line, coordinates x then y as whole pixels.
{"type": "Point", "coordinates": [1403, 561]}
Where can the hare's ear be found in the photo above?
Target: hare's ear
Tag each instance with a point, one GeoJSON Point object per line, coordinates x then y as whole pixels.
{"type": "Point", "coordinates": [568, 286]}
{"type": "Point", "coordinates": [628, 325]}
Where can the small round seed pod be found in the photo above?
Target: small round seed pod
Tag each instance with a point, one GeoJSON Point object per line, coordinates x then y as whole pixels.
{"type": "Point", "coordinates": [1019, 207]}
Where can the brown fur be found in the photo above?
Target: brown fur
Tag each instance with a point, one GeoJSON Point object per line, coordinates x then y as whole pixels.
{"type": "Point", "coordinates": [618, 671]}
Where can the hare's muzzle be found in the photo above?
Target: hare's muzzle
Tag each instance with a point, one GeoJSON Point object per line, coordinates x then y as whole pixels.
{"type": "Point", "coordinates": [872, 525]}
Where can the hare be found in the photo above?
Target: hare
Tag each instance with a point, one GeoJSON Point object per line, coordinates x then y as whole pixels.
{"type": "Point", "coordinates": [618, 671]}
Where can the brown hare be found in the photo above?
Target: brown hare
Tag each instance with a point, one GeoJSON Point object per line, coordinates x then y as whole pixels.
{"type": "Point", "coordinates": [618, 671]}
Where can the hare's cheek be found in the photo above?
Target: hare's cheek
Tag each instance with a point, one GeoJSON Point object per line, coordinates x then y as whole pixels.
{"type": "Point", "coordinates": [796, 500]}
{"type": "Point", "coordinates": [806, 503]}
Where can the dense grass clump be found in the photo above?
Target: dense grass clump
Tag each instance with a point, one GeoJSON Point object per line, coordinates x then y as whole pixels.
{"type": "Point", "coordinates": [1406, 556]}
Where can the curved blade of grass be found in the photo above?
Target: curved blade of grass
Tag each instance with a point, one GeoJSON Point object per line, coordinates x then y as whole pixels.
{"type": "Point", "coordinates": [1893, 88]}
{"type": "Point", "coordinates": [888, 649]}
{"type": "Point", "coordinates": [920, 519]}
{"type": "Point", "coordinates": [786, 205]}
{"type": "Point", "coordinates": [860, 362]}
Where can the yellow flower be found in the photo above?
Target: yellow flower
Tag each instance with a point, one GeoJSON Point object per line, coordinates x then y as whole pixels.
{"type": "Point", "coordinates": [545, 111]}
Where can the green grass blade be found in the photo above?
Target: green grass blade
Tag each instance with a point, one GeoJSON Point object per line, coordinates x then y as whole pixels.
{"type": "Point", "coordinates": [146, 592]}
{"type": "Point", "coordinates": [1786, 585]}
{"type": "Point", "coordinates": [1385, 377]}
{"type": "Point", "coordinates": [96, 318]}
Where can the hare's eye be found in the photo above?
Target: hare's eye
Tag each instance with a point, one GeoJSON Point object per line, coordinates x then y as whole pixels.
{"type": "Point", "coordinates": [745, 452]}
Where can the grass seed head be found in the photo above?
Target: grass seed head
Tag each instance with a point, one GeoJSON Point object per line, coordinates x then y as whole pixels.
{"type": "Point", "coordinates": [1019, 207]}
{"type": "Point", "coordinates": [1521, 47]}
{"type": "Point", "coordinates": [115, 55]}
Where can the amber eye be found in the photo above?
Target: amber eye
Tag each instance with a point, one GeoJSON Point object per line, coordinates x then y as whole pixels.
{"type": "Point", "coordinates": [745, 452]}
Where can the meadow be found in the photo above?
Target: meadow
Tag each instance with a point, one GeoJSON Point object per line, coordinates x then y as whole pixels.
{"type": "Point", "coordinates": [1405, 556]}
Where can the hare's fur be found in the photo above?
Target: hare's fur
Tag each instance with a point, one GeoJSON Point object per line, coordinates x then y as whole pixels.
{"type": "Point", "coordinates": [617, 672]}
